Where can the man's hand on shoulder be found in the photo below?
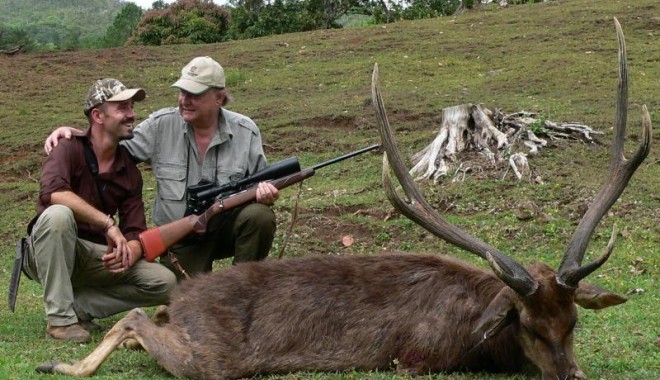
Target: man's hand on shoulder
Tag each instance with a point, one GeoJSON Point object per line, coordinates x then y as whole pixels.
{"type": "Point", "coordinates": [61, 132]}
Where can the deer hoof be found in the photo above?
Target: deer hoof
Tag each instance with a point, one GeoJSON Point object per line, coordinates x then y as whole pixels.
{"type": "Point", "coordinates": [47, 367]}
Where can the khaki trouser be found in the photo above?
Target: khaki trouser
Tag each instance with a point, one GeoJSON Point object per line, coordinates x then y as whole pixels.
{"type": "Point", "coordinates": [245, 233]}
{"type": "Point", "coordinates": [76, 284]}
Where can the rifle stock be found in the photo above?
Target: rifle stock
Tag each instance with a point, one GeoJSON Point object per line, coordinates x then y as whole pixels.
{"type": "Point", "coordinates": [155, 241]}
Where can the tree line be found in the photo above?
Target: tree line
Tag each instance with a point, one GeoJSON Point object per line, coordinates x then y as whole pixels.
{"type": "Point", "coordinates": [202, 21]}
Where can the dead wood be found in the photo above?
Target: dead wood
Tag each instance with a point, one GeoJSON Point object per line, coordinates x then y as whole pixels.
{"type": "Point", "coordinates": [496, 137]}
{"type": "Point", "coordinates": [12, 51]}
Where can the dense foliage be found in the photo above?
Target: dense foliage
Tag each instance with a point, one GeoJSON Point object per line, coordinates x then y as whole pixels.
{"type": "Point", "coordinates": [56, 24]}
{"type": "Point", "coordinates": [280, 16]}
{"type": "Point", "coordinates": [123, 25]}
{"type": "Point", "coordinates": [75, 24]}
{"type": "Point", "coordinates": [12, 39]}
{"type": "Point", "coordinates": [186, 21]}
{"type": "Point", "coordinates": [256, 18]}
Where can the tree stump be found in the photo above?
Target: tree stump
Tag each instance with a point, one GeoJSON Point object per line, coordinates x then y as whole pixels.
{"type": "Point", "coordinates": [463, 127]}
{"type": "Point", "coordinates": [494, 136]}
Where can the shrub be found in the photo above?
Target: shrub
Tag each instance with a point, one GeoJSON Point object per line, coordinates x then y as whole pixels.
{"type": "Point", "coordinates": [186, 21]}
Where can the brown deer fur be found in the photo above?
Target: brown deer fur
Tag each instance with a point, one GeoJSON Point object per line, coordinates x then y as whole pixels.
{"type": "Point", "coordinates": [415, 313]}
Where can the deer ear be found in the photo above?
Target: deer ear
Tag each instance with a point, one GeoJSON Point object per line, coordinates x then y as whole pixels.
{"type": "Point", "coordinates": [592, 297]}
{"type": "Point", "coordinates": [499, 313]}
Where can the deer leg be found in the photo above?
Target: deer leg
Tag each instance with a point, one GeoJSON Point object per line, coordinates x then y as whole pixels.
{"type": "Point", "coordinates": [93, 361]}
{"type": "Point", "coordinates": [168, 346]}
{"type": "Point", "coordinates": [160, 317]}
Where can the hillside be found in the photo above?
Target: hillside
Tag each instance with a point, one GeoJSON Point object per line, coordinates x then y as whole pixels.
{"type": "Point", "coordinates": [310, 95]}
{"type": "Point", "coordinates": [60, 22]}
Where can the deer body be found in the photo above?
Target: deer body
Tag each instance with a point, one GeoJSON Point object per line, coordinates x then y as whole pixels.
{"type": "Point", "coordinates": [340, 313]}
{"type": "Point", "coordinates": [418, 313]}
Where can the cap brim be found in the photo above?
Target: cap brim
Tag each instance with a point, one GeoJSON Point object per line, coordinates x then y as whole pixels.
{"type": "Point", "coordinates": [190, 86]}
{"type": "Point", "coordinates": [136, 94]}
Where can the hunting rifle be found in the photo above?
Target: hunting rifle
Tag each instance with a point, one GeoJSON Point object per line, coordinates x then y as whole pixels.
{"type": "Point", "coordinates": [155, 241]}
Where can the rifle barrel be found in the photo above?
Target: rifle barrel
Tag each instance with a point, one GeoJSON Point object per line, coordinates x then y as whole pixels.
{"type": "Point", "coordinates": [345, 156]}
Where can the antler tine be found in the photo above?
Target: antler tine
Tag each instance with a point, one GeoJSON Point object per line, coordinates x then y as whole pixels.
{"type": "Point", "coordinates": [620, 172]}
{"type": "Point", "coordinates": [421, 212]}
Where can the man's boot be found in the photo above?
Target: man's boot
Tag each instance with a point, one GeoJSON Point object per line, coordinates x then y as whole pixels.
{"type": "Point", "coordinates": [72, 332]}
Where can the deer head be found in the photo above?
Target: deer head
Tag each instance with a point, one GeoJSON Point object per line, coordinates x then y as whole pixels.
{"type": "Point", "coordinates": [540, 300]}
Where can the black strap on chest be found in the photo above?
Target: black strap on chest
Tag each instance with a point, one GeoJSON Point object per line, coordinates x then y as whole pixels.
{"type": "Point", "coordinates": [93, 166]}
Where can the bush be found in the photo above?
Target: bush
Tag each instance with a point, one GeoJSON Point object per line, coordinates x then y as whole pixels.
{"type": "Point", "coordinates": [12, 38]}
{"type": "Point", "coordinates": [280, 17]}
{"type": "Point", "coordinates": [186, 21]}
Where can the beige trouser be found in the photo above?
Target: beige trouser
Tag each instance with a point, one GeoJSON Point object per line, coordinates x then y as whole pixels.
{"type": "Point", "coordinates": [76, 284]}
{"type": "Point", "coordinates": [245, 233]}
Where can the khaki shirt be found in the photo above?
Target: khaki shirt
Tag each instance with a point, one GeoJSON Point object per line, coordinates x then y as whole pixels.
{"type": "Point", "coordinates": [166, 142]}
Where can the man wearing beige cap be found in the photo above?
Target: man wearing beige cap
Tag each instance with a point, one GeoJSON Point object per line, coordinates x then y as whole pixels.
{"type": "Point", "coordinates": [202, 142]}
{"type": "Point", "coordinates": [88, 262]}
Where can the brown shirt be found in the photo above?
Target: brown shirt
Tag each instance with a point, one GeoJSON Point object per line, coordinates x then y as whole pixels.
{"type": "Point", "coordinates": [66, 169]}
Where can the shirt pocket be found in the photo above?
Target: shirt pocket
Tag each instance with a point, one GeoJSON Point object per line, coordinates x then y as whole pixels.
{"type": "Point", "coordinates": [228, 175]}
{"type": "Point", "coordinates": [171, 179]}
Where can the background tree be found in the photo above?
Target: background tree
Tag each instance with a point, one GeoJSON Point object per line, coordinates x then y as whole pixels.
{"type": "Point", "coordinates": [256, 18]}
{"type": "Point", "coordinates": [60, 24]}
{"type": "Point", "coordinates": [123, 26]}
{"type": "Point", "coordinates": [184, 22]}
{"type": "Point", "coordinates": [160, 4]}
{"type": "Point", "coordinates": [418, 9]}
{"type": "Point", "coordinates": [15, 39]}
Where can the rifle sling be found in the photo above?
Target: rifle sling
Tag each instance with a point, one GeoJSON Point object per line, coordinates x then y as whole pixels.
{"type": "Point", "coordinates": [175, 263]}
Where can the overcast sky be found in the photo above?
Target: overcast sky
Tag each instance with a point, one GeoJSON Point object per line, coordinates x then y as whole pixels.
{"type": "Point", "coordinates": [146, 4]}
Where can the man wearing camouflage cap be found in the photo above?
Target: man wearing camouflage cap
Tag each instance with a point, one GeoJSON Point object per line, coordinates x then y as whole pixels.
{"type": "Point", "coordinates": [88, 262]}
{"type": "Point", "coordinates": [201, 141]}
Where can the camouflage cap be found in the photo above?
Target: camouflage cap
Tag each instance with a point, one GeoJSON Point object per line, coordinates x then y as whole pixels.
{"type": "Point", "coordinates": [110, 90]}
{"type": "Point", "coordinates": [200, 74]}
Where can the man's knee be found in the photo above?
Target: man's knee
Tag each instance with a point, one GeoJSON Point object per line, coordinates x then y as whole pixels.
{"type": "Point", "coordinates": [56, 219]}
{"type": "Point", "coordinates": [257, 216]}
{"type": "Point", "coordinates": [164, 279]}
{"type": "Point", "coordinates": [157, 280]}
{"type": "Point", "coordinates": [255, 231]}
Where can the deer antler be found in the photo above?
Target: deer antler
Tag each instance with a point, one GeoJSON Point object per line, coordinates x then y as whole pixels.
{"type": "Point", "coordinates": [621, 170]}
{"type": "Point", "coordinates": [420, 211]}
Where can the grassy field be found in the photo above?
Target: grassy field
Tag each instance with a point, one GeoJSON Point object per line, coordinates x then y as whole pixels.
{"type": "Point", "coordinates": [310, 95]}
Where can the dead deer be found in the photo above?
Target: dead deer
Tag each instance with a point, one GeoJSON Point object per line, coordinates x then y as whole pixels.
{"type": "Point", "coordinates": [418, 313]}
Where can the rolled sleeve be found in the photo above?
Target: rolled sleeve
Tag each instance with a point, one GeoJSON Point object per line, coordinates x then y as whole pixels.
{"type": "Point", "coordinates": [56, 171]}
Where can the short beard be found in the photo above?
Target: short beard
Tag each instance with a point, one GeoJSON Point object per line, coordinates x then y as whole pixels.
{"type": "Point", "coordinates": [129, 136]}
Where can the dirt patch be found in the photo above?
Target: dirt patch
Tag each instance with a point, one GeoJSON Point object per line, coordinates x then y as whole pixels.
{"type": "Point", "coordinates": [20, 163]}
{"type": "Point", "coordinates": [333, 122]}
{"type": "Point", "coordinates": [324, 228]}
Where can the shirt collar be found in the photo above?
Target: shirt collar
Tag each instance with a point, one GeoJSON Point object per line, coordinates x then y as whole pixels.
{"type": "Point", "coordinates": [222, 134]}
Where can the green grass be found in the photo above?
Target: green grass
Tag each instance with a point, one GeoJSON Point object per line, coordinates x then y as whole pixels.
{"type": "Point", "coordinates": [310, 94]}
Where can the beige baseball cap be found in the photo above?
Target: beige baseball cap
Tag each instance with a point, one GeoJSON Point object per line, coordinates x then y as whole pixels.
{"type": "Point", "coordinates": [201, 74]}
{"type": "Point", "coordinates": [110, 90]}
